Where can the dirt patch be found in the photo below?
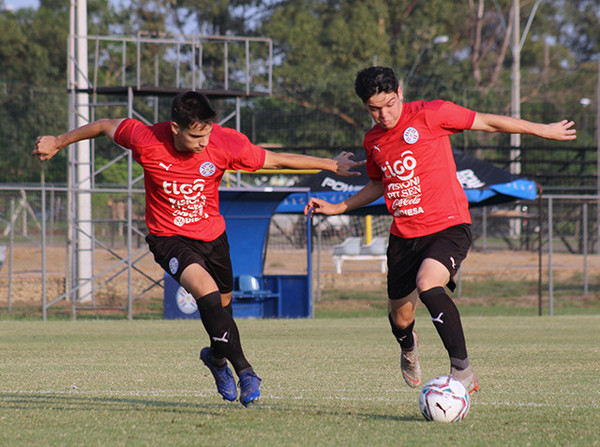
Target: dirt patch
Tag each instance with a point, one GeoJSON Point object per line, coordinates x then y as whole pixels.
{"type": "Point", "coordinates": [508, 265]}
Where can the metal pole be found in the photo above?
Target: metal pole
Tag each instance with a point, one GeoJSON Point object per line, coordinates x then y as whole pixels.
{"type": "Point", "coordinates": [515, 139]}
{"type": "Point", "coordinates": [540, 250]}
{"type": "Point", "coordinates": [550, 248]}
{"type": "Point", "coordinates": [585, 249]}
{"type": "Point", "coordinates": [598, 159]}
{"type": "Point", "coordinates": [44, 275]}
{"type": "Point", "coordinates": [309, 286]}
{"type": "Point", "coordinates": [318, 297]}
{"type": "Point", "coordinates": [10, 252]}
{"type": "Point", "coordinates": [129, 215]}
{"type": "Point", "coordinates": [83, 166]}
{"type": "Point", "coordinates": [484, 225]}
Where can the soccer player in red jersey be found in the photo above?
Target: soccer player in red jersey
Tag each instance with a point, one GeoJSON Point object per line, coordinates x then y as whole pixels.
{"type": "Point", "coordinates": [410, 163]}
{"type": "Point", "coordinates": [184, 160]}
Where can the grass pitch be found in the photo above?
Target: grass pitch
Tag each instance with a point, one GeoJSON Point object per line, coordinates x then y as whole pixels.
{"type": "Point", "coordinates": [326, 382]}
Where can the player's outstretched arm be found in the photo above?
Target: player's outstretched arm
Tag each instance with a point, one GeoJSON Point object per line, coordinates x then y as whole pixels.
{"type": "Point", "coordinates": [48, 146]}
{"type": "Point", "coordinates": [342, 164]}
{"type": "Point", "coordinates": [371, 192]}
{"type": "Point", "coordinates": [487, 122]}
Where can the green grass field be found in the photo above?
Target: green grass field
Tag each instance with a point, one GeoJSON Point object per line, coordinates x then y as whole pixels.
{"type": "Point", "coordinates": [330, 382]}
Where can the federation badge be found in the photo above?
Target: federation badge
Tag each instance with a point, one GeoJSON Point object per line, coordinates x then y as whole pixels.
{"type": "Point", "coordinates": [185, 301]}
{"type": "Point", "coordinates": [173, 265]}
{"type": "Point", "coordinates": [411, 135]}
{"type": "Point", "coordinates": [207, 169]}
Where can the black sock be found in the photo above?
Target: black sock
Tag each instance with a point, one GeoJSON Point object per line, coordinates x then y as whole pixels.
{"type": "Point", "coordinates": [446, 319]}
{"type": "Point", "coordinates": [403, 336]}
{"type": "Point", "coordinates": [222, 330]}
{"type": "Point", "coordinates": [229, 309]}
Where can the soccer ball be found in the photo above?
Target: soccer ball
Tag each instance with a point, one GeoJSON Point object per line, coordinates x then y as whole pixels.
{"type": "Point", "coordinates": [444, 399]}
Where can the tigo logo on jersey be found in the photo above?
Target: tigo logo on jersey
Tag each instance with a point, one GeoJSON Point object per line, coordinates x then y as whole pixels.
{"type": "Point", "coordinates": [207, 169]}
{"type": "Point", "coordinates": [411, 135]}
{"type": "Point", "coordinates": [173, 265]}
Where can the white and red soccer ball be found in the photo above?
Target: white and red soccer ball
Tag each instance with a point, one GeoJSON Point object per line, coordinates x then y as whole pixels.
{"type": "Point", "coordinates": [444, 399]}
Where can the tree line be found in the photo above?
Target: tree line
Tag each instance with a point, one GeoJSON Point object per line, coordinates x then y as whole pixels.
{"type": "Point", "coordinates": [455, 50]}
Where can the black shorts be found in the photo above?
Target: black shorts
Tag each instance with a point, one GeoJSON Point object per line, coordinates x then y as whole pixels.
{"type": "Point", "coordinates": [175, 253]}
{"type": "Point", "coordinates": [405, 256]}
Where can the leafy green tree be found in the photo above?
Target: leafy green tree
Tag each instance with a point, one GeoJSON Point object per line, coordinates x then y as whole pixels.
{"type": "Point", "coordinates": [33, 99]}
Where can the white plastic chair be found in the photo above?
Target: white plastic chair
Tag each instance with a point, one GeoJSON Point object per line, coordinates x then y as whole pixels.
{"type": "Point", "coordinates": [377, 247]}
{"type": "Point", "coordinates": [351, 246]}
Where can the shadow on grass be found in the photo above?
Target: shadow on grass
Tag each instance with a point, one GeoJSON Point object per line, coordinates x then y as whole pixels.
{"type": "Point", "coordinates": [39, 401]}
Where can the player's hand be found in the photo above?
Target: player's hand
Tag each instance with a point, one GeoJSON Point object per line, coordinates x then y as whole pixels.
{"type": "Point", "coordinates": [46, 147]}
{"type": "Point", "coordinates": [562, 131]}
{"type": "Point", "coordinates": [345, 164]}
{"type": "Point", "coordinates": [320, 206]}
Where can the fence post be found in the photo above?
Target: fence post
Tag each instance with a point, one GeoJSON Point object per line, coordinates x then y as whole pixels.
{"type": "Point", "coordinates": [540, 250]}
{"type": "Point", "coordinates": [550, 249]}
{"type": "Point", "coordinates": [585, 249]}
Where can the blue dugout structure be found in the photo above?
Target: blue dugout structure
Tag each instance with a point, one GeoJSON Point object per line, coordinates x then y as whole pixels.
{"type": "Point", "coordinates": [248, 213]}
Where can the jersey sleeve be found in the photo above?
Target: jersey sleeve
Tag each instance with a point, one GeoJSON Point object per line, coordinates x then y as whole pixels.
{"type": "Point", "coordinates": [245, 155]}
{"type": "Point", "coordinates": [131, 134]}
{"type": "Point", "coordinates": [373, 171]}
{"type": "Point", "coordinates": [451, 117]}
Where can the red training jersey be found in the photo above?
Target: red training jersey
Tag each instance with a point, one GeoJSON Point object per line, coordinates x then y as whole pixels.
{"type": "Point", "coordinates": [415, 163]}
{"type": "Point", "coordinates": [182, 188]}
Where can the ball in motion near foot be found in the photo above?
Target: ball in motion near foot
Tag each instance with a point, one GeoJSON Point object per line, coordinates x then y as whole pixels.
{"type": "Point", "coordinates": [444, 399]}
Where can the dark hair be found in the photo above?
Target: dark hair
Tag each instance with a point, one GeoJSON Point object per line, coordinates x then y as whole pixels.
{"type": "Point", "coordinates": [192, 107]}
{"type": "Point", "coordinates": [374, 80]}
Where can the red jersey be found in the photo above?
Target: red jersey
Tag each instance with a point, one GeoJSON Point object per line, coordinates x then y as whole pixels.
{"type": "Point", "coordinates": [415, 163]}
{"type": "Point", "coordinates": [182, 195]}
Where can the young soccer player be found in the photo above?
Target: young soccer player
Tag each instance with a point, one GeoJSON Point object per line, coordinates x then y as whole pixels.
{"type": "Point", "coordinates": [184, 160]}
{"type": "Point", "coordinates": [410, 163]}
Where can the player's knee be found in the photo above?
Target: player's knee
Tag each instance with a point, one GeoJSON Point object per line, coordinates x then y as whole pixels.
{"type": "Point", "coordinates": [402, 317]}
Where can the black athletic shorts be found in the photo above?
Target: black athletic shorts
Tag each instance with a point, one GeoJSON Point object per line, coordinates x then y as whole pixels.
{"type": "Point", "coordinates": [175, 253]}
{"type": "Point", "coordinates": [405, 256]}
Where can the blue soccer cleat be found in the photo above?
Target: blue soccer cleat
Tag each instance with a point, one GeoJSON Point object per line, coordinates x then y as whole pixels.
{"type": "Point", "coordinates": [223, 376]}
{"type": "Point", "coordinates": [249, 387]}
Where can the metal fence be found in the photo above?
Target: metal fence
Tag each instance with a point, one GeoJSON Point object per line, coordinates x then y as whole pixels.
{"type": "Point", "coordinates": [36, 264]}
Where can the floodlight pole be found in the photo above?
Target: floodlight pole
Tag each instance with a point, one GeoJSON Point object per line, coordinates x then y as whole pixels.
{"type": "Point", "coordinates": [81, 170]}
{"type": "Point", "coordinates": [515, 139]}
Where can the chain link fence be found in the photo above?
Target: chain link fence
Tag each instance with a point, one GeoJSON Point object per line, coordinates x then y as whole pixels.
{"type": "Point", "coordinates": [36, 266]}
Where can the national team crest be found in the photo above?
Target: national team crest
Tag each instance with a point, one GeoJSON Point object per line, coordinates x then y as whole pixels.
{"type": "Point", "coordinates": [207, 169]}
{"type": "Point", "coordinates": [411, 135]}
{"type": "Point", "coordinates": [173, 265]}
{"type": "Point", "coordinates": [185, 301]}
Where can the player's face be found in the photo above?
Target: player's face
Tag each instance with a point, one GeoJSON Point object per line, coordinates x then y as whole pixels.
{"type": "Point", "coordinates": [385, 108]}
{"type": "Point", "coordinates": [191, 139]}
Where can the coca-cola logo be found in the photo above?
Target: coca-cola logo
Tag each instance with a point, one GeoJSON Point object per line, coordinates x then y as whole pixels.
{"type": "Point", "coordinates": [405, 201]}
